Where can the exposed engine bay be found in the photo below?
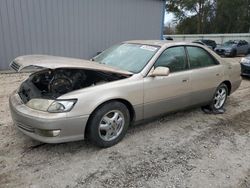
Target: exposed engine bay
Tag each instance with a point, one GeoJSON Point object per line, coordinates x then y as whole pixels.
{"type": "Point", "coordinates": [51, 84]}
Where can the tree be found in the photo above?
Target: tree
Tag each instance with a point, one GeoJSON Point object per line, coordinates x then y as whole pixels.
{"type": "Point", "coordinates": [169, 29]}
{"type": "Point", "coordinates": [187, 26]}
{"type": "Point", "coordinates": [210, 16]}
{"type": "Point", "coordinates": [184, 9]}
{"type": "Point", "coordinates": [232, 16]}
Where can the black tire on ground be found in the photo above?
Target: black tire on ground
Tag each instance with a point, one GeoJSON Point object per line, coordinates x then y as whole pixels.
{"type": "Point", "coordinates": [96, 118]}
{"type": "Point", "coordinates": [212, 105]}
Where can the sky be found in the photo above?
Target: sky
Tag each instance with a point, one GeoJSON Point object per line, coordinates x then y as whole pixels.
{"type": "Point", "coordinates": [168, 17]}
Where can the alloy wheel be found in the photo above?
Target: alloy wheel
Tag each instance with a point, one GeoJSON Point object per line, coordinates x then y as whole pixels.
{"type": "Point", "coordinates": [111, 125]}
{"type": "Point", "coordinates": [220, 98]}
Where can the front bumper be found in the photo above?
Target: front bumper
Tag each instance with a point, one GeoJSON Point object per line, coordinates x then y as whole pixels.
{"type": "Point", "coordinates": [245, 69]}
{"type": "Point", "coordinates": [32, 123]}
{"type": "Point", "coordinates": [223, 52]}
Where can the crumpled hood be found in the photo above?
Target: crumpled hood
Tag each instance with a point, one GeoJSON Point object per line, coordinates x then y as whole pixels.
{"type": "Point", "coordinates": [54, 62]}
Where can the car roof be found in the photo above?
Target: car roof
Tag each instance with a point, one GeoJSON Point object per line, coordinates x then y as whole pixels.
{"type": "Point", "coordinates": [159, 43]}
{"type": "Point", "coordinates": [166, 44]}
{"type": "Point", "coordinates": [235, 40]}
{"type": "Point", "coordinates": [149, 42]}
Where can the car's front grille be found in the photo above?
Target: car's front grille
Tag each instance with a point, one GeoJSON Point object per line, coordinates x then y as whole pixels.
{"type": "Point", "coordinates": [25, 127]}
{"type": "Point", "coordinates": [15, 66]}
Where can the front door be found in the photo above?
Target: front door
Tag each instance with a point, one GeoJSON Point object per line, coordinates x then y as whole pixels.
{"type": "Point", "coordinates": [163, 94]}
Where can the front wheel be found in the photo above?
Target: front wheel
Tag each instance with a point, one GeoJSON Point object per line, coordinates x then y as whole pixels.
{"type": "Point", "coordinates": [109, 124]}
{"type": "Point", "coordinates": [219, 98]}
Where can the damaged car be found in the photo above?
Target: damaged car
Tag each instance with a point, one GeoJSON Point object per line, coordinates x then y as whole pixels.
{"type": "Point", "coordinates": [69, 99]}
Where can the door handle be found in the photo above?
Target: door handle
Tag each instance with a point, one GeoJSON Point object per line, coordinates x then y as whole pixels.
{"type": "Point", "coordinates": [218, 74]}
{"type": "Point", "coordinates": [185, 80]}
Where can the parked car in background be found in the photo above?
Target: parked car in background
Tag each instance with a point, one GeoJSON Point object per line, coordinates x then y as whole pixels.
{"type": "Point", "coordinates": [206, 42]}
{"type": "Point", "coordinates": [71, 99]}
{"type": "Point", "coordinates": [245, 66]}
{"type": "Point", "coordinates": [233, 48]}
{"type": "Point", "coordinates": [168, 38]}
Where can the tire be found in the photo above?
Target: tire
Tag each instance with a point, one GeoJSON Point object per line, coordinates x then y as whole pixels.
{"type": "Point", "coordinates": [219, 101]}
{"type": "Point", "coordinates": [108, 124]}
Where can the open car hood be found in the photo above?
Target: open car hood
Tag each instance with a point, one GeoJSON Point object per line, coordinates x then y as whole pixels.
{"type": "Point", "coordinates": [54, 62]}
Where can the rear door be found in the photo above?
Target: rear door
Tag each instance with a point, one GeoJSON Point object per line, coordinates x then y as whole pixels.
{"type": "Point", "coordinates": [206, 74]}
{"type": "Point", "coordinates": [245, 47]}
{"type": "Point", "coordinates": [240, 47]}
{"type": "Point", "coordinates": [163, 94]}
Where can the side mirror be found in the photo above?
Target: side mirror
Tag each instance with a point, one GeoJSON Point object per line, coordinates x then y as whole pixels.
{"type": "Point", "coordinates": [160, 71]}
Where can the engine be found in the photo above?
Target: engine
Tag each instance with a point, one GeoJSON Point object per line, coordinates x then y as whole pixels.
{"type": "Point", "coordinates": [60, 81]}
{"type": "Point", "coordinates": [66, 81]}
{"type": "Point", "coordinates": [51, 84]}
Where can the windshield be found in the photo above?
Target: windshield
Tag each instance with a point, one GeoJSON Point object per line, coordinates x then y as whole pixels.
{"type": "Point", "coordinates": [229, 43]}
{"type": "Point", "coordinates": [129, 57]}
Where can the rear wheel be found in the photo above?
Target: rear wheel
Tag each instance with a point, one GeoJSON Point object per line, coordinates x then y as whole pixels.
{"type": "Point", "coordinates": [219, 98]}
{"type": "Point", "coordinates": [109, 124]}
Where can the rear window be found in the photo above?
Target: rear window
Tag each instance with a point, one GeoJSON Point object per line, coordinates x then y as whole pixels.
{"type": "Point", "coordinates": [198, 58]}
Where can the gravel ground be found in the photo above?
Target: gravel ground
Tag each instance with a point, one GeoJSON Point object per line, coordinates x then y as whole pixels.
{"type": "Point", "coordinates": [185, 149]}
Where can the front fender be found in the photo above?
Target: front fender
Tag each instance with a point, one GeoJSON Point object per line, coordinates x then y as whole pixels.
{"type": "Point", "coordinates": [90, 98]}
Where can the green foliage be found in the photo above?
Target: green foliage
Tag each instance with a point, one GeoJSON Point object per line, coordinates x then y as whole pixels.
{"type": "Point", "coordinates": [190, 22]}
{"type": "Point", "coordinates": [210, 16]}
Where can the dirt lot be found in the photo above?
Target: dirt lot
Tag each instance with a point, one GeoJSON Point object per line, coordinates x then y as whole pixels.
{"type": "Point", "coordinates": [186, 149]}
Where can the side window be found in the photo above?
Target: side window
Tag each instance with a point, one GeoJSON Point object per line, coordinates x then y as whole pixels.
{"type": "Point", "coordinates": [199, 58]}
{"type": "Point", "coordinates": [174, 58]}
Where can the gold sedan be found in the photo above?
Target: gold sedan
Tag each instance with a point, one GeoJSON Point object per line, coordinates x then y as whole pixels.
{"type": "Point", "coordinates": [70, 99]}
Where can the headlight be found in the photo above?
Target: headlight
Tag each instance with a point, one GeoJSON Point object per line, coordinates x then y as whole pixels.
{"type": "Point", "coordinates": [228, 50]}
{"type": "Point", "coordinates": [39, 104]}
{"type": "Point", "coordinates": [61, 105]}
{"type": "Point", "coordinates": [51, 105]}
{"type": "Point", "coordinates": [245, 60]}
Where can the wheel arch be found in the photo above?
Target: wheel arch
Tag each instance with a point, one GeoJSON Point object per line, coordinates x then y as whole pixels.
{"type": "Point", "coordinates": [124, 101]}
{"type": "Point", "coordinates": [229, 86]}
